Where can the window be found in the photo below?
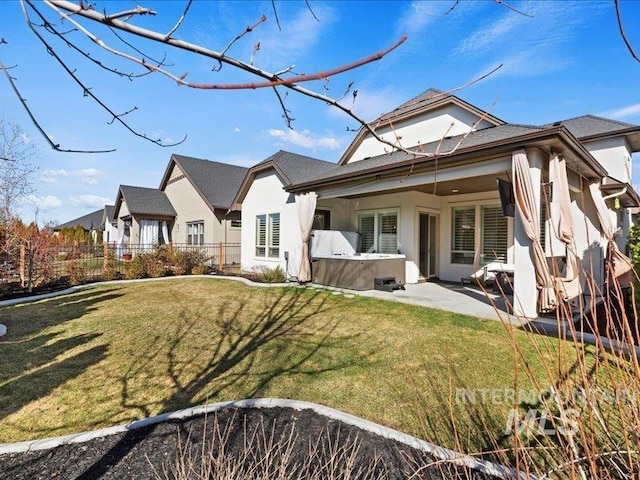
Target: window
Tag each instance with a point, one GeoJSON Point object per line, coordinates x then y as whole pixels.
{"type": "Point", "coordinates": [236, 223]}
{"type": "Point", "coordinates": [378, 232]}
{"type": "Point", "coordinates": [494, 234]}
{"type": "Point", "coordinates": [321, 220]}
{"type": "Point", "coordinates": [463, 234]}
{"type": "Point", "coordinates": [261, 235]}
{"type": "Point", "coordinates": [268, 235]}
{"type": "Point", "coordinates": [195, 233]}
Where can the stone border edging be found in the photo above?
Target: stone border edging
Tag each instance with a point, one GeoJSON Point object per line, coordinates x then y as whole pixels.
{"type": "Point", "coordinates": [440, 453]}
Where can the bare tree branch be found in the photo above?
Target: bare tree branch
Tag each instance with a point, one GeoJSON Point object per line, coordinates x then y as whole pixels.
{"type": "Point", "coordinates": [622, 32]}
{"type": "Point", "coordinates": [275, 13]}
{"type": "Point", "coordinates": [311, 10]}
{"type": "Point", "coordinates": [272, 79]}
{"type": "Point", "coordinates": [180, 20]}
{"type": "Point", "coordinates": [240, 35]}
{"type": "Point", "coordinates": [513, 9]}
{"type": "Point", "coordinates": [131, 13]}
{"type": "Point", "coordinates": [286, 113]}
{"type": "Point", "coordinates": [22, 100]}
{"type": "Point", "coordinates": [86, 90]}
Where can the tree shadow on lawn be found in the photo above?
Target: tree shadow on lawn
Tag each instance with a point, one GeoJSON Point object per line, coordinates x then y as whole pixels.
{"type": "Point", "coordinates": [30, 368]}
{"type": "Point", "coordinates": [248, 351]}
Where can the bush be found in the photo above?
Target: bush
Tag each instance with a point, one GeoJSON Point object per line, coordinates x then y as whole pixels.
{"type": "Point", "coordinates": [185, 261]}
{"type": "Point", "coordinates": [134, 269]}
{"type": "Point", "coordinates": [110, 267]}
{"type": "Point", "coordinates": [273, 275]}
{"type": "Point", "coordinates": [76, 272]}
{"type": "Point", "coordinates": [200, 269]}
{"type": "Point", "coordinates": [153, 264]}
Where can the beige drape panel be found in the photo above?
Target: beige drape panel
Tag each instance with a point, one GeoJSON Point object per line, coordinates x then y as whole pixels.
{"type": "Point", "coordinates": [562, 221]}
{"type": "Point", "coordinates": [528, 211]}
{"type": "Point", "coordinates": [622, 265]}
{"type": "Point", "coordinates": [306, 204]}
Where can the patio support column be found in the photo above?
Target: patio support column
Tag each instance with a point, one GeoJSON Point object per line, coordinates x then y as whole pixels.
{"type": "Point", "coordinates": [525, 292]}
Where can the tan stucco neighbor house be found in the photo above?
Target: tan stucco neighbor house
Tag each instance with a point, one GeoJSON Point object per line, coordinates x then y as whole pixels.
{"type": "Point", "coordinates": [202, 193]}
{"type": "Point", "coordinates": [144, 216]}
{"type": "Point", "coordinates": [568, 194]}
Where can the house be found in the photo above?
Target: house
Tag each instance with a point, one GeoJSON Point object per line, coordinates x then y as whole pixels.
{"type": "Point", "coordinates": [441, 208]}
{"type": "Point", "coordinates": [92, 223]}
{"type": "Point", "coordinates": [144, 216]}
{"type": "Point", "coordinates": [109, 224]}
{"type": "Point", "coordinates": [202, 193]}
{"type": "Point", "coordinates": [266, 206]}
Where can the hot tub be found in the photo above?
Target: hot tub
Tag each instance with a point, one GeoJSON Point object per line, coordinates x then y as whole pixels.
{"type": "Point", "coordinates": [356, 271]}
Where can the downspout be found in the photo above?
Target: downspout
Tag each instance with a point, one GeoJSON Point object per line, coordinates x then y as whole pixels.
{"type": "Point", "coordinates": [613, 195]}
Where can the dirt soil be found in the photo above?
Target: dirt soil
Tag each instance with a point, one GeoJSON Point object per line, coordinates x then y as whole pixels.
{"type": "Point", "coordinates": [151, 452]}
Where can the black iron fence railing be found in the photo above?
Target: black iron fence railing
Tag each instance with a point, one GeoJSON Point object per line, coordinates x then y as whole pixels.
{"type": "Point", "coordinates": [29, 266]}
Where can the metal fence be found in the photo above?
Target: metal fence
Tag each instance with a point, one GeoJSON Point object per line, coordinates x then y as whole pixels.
{"type": "Point", "coordinates": [27, 267]}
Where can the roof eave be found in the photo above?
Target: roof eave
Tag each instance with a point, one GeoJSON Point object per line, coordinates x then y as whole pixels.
{"type": "Point", "coordinates": [464, 153]}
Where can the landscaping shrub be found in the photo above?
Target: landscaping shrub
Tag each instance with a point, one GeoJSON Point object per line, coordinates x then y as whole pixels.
{"type": "Point", "coordinates": [273, 275]}
{"type": "Point", "coordinates": [185, 261]}
{"type": "Point", "coordinates": [134, 269]}
{"type": "Point", "coordinates": [76, 272]}
{"type": "Point", "coordinates": [153, 264]}
{"type": "Point", "coordinates": [200, 269]}
{"type": "Point", "coordinates": [110, 267]}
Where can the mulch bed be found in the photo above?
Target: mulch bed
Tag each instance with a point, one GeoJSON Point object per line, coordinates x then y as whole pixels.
{"type": "Point", "coordinates": [150, 452]}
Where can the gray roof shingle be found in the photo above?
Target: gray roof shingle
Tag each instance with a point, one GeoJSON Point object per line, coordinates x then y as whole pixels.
{"type": "Point", "coordinates": [474, 139]}
{"type": "Point", "coordinates": [147, 201]}
{"type": "Point", "coordinates": [90, 221]}
{"type": "Point", "coordinates": [217, 182]}
{"type": "Point", "coordinates": [590, 125]}
{"type": "Point", "coordinates": [298, 168]}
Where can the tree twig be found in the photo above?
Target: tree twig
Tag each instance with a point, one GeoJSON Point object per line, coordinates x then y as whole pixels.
{"type": "Point", "coordinates": [622, 32]}
{"type": "Point", "coordinates": [180, 20]}
{"type": "Point", "coordinates": [55, 146]}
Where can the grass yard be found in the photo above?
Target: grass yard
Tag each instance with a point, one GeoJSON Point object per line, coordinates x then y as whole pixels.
{"type": "Point", "coordinates": [112, 354]}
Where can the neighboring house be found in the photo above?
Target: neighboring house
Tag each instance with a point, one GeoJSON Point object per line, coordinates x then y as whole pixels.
{"type": "Point", "coordinates": [144, 216]}
{"type": "Point", "coordinates": [443, 210]}
{"type": "Point", "coordinates": [270, 231]}
{"type": "Point", "coordinates": [92, 223]}
{"type": "Point", "coordinates": [109, 224]}
{"type": "Point", "coordinates": [202, 193]}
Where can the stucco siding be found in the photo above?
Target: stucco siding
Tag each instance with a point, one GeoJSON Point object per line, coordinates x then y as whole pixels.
{"type": "Point", "coordinates": [190, 207]}
{"type": "Point", "coordinates": [266, 196]}
{"type": "Point", "coordinates": [614, 155]}
{"type": "Point", "coordinates": [431, 126]}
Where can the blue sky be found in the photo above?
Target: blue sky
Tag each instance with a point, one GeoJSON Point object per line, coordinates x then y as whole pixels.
{"type": "Point", "coordinates": [566, 59]}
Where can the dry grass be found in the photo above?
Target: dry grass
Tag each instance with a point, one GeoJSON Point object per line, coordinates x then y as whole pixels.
{"type": "Point", "coordinates": [112, 354]}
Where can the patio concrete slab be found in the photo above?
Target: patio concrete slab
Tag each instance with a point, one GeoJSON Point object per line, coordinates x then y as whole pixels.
{"type": "Point", "coordinates": [452, 297]}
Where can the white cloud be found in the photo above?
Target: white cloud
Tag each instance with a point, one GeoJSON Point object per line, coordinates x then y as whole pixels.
{"type": "Point", "coordinates": [93, 201]}
{"type": "Point", "coordinates": [624, 112]}
{"type": "Point", "coordinates": [304, 139]}
{"type": "Point", "coordinates": [50, 176]}
{"type": "Point", "coordinates": [529, 46]}
{"type": "Point", "coordinates": [88, 175]}
{"type": "Point", "coordinates": [419, 15]}
{"type": "Point", "coordinates": [237, 129]}
{"type": "Point", "coordinates": [299, 33]}
{"type": "Point", "coordinates": [48, 202]}
{"type": "Point", "coordinates": [369, 105]}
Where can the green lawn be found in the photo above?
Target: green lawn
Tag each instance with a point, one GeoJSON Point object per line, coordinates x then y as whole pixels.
{"type": "Point", "coordinates": [112, 354]}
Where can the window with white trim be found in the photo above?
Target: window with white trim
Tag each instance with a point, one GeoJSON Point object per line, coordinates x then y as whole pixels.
{"type": "Point", "coordinates": [463, 234]}
{"type": "Point", "coordinates": [268, 235]}
{"type": "Point", "coordinates": [494, 235]}
{"type": "Point", "coordinates": [195, 233]}
{"type": "Point", "coordinates": [378, 232]}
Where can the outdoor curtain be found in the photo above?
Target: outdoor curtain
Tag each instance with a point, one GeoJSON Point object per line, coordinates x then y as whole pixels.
{"type": "Point", "coordinates": [527, 206]}
{"type": "Point", "coordinates": [149, 231]}
{"type": "Point", "coordinates": [622, 266]}
{"type": "Point", "coordinates": [165, 232]}
{"type": "Point", "coordinates": [562, 221]}
{"type": "Point", "coordinates": [306, 204]}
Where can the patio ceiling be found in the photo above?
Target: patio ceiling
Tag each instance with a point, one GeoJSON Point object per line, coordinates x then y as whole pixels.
{"type": "Point", "coordinates": [485, 183]}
